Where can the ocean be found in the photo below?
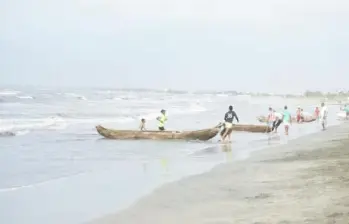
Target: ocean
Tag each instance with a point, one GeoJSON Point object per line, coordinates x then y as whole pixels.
{"type": "Point", "coordinates": [57, 169]}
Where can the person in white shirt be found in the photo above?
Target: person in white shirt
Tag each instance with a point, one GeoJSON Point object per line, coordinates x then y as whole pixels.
{"type": "Point", "coordinates": [277, 121]}
{"type": "Point", "coordinates": [270, 118]}
{"type": "Point", "coordinates": [323, 116]}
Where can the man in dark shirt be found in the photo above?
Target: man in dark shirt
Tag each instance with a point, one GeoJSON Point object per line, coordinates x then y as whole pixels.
{"type": "Point", "coordinates": [228, 118]}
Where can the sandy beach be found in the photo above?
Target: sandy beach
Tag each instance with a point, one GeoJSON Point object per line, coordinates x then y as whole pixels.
{"type": "Point", "coordinates": [304, 181]}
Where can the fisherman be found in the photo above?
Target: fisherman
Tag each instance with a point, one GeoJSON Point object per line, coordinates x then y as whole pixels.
{"type": "Point", "coordinates": [286, 118]}
{"type": "Point", "coordinates": [228, 123]}
{"type": "Point", "coordinates": [142, 125]}
{"type": "Point", "coordinates": [271, 117]}
{"type": "Point", "coordinates": [346, 109]}
{"type": "Point", "coordinates": [162, 119]}
{"type": "Point", "coordinates": [323, 116]}
{"type": "Point", "coordinates": [317, 113]}
{"type": "Point", "coordinates": [277, 121]}
{"type": "Point", "coordinates": [302, 116]}
{"type": "Point", "coordinates": [298, 115]}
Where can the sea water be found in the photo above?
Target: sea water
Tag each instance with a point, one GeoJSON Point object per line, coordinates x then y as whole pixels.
{"type": "Point", "coordinates": [57, 169]}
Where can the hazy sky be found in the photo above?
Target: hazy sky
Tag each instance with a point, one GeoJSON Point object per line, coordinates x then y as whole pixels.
{"type": "Point", "coordinates": [247, 45]}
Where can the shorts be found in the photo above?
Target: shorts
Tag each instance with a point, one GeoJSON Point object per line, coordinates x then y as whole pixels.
{"type": "Point", "coordinates": [227, 130]}
{"type": "Point", "coordinates": [271, 123]}
{"type": "Point", "coordinates": [276, 124]}
{"type": "Point", "coordinates": [286, 123]}
{"type": "Point", "coordinates": [161, 128]}
{"type": "Point", "coordinates": [228, 125]}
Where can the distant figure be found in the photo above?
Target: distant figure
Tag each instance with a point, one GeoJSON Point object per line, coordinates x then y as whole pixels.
{"type": "Point", "coordinates": [323, 116]}
{"type": "Point", "coordinates": [346, 109]}
{"type": "Point", "coordinates": [277, 121]}
{"type": "Point", "coordinates": [302, 116]}
{"type": "Point", "coordinates": [286, 118]}
{"type": "Point", "coordinates": [317, 113]}
{"type": "Point", "coordinates": [162, 119]}
{"type": "Point", "coordinates": [228, 123]}
{"type": "Point", "coordinates": [142, 125]}
{"type": "Point", "coordinates": [298, 115]}
{"type": "Point", "coordinates": [271, 117]}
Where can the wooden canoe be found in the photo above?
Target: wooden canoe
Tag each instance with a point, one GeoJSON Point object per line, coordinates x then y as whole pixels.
{"type": "Point", "coordinates": [7, 134]}
{"type": "Point", "coordinates": [252, 128]}
{"type": "Point", "coordinates": [309, 119]}
{"type": "Point", "coordinates": [249, 128]}
{"type": "Point", "coordinates": [203, 135]}
{"type": "Point", "coordinates": [263, 119]}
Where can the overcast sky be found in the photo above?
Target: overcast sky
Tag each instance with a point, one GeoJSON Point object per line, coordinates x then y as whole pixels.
{"type": "Point", "coordinates": [245, 45]}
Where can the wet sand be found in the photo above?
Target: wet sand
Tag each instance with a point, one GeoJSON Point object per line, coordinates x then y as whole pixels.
{"type": "Point", "coordinates": [305, 181]}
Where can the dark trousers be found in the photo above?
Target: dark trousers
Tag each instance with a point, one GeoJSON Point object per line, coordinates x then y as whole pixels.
{"type": "Point", "coordinates": [276, 124]}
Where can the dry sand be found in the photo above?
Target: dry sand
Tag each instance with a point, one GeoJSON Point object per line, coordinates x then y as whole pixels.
{"type": "Point", "coordinates": [305, 181]}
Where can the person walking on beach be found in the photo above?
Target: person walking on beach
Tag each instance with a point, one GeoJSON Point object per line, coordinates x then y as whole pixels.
{"type": "Point", "coordinates": [162, 119]}
{"type": "Point", "coordinates": [228, 123]}
{"type": "Point", "coordinates": [286, 118]}
{"type": "Point", "coordinates": [323, 116]}
{"type": "Point", "coordinates": [346, 109]}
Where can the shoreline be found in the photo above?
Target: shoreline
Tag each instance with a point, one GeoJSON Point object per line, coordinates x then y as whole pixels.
{"type": "Point", "coordinates": [306, 180]}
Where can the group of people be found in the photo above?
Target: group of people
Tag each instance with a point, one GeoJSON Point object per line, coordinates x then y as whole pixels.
{"type": "Point", "coordinates": [274, 119]}
{"type": "Point", "coordinates": [226, 132]}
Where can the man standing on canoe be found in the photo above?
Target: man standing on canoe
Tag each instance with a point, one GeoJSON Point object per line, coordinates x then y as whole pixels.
{"type": "Point", "coordinates": [228, 123]}
{"type": "Point", "coordinates": [323, 116]}
{"type": "Point", "coordinates": [286, 119]}
{"type": "Point", "coordinates": [162, 119]}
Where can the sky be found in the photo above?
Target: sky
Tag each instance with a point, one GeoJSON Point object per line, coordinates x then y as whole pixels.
{"type": "Point", "coordinates": [251, 45]}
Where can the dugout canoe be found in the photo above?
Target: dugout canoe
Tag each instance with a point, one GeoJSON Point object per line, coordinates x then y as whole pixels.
{"type": "Point", "coordinates": [203, 135]}
{"type": "Point", "coordinates": [248, 128]}
{"type": "Point", "coordinates": [263, 119]}
{"type": "Point", "coordinates": [251, 128]}
{"type": "Point", "coordinates": [7, 134]}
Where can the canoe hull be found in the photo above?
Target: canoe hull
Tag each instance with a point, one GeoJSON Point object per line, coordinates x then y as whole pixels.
{"type": "Point", "coordinates": [252, 128]}
{"type": "Point", "coordinates": [263, 119]}
{"type": "Point", "coordinates": [7, 134]}
{"type": "Point", "coordinates": [203, 135]}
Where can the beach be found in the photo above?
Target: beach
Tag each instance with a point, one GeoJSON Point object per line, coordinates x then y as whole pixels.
{"type": "Point", "coordinates": [57, 169]}
{"type": "Point", "coordinates": [304, 181]}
